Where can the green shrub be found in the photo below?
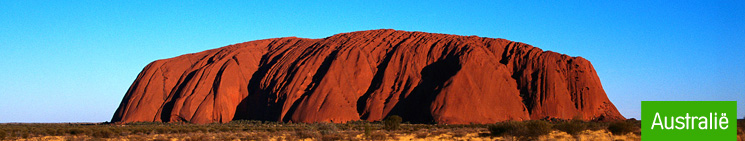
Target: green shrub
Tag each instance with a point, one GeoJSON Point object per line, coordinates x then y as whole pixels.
{"type": "Point", "coordinates": [140, 130]}
{"type": "Point", "coordinates": [223, 129]}
{"type": "Point", "coordinates": [77, 131]}
{"type": "Point", "coordinates": [157, 130]}
{"type": "Point", "coordinates": [103, 133]}
{"type": "Point", "coordinates": [368, 129]}
{"type": "Point", "coordinates": [50, 131]}
{"type": "Point", "coordinates": [392, 122]}
{"type": "Point", "coordinates": [243, 122]}
{"type": "Point", "coordinates": [498, 129]}
{"type": "Point", "coordinates": [537, 128]}
{"type": "Point", "coordinates": [596, 125]}
{"type": "Point", "coordinates": [573, 127]}
{"type": "Point", "coordinates": [327, 129]}
{"type": "Point", "coordinates": [25, 135]}
{"type": "Point", "coordinates": [528, 129]}
{"type": "Point", "coordinates": [506, 128]}
{"type": "Point", "coordinates": [621, 127]}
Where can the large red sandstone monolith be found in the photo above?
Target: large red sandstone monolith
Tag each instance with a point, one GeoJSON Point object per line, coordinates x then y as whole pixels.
{"type": "Point", "coordinates": [368, 75]}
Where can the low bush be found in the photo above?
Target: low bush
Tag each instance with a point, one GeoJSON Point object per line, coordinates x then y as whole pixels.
{"type": "Point", "coordinates": [621, 127]}
{"type": "Point", "coordinates": [103, 133]}
{"type": "Point", "coordinates": [327, 128]}
{"type": "Point", "coordinates": [50, 132]}
{"type": "Point", "coordinates": [249, 122]}
{"type": "Point", "coordinates": [368, 129]}
{"type": "Point", "coordinates": [392, 122]}
{"type": "Point", "coordinates": [596, 125]}
{"type": "Point", "coordinates": [25, 135]}
{"type": "Point", "coordinates": [161, 130]}
{"type": "Point", "coordinates": [536, 128]}
{"type": "Point", "coordinates": [572, 127]}
{"type": "Point", "coordinates": [506, 128]}
{"type": "Point", "coordinates": [77, 131]}
{"type": "Point", "coordinates": [527, 129]}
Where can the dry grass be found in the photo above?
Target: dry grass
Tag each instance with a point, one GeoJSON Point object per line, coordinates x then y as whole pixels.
{"type": "Point", "coordinates": [377, 135]}
{"type": "Point", "coordinates": [360, 130]}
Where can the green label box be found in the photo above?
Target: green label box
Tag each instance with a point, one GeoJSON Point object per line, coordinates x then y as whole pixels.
{"type": "Point", "coordinates": [689, 120]}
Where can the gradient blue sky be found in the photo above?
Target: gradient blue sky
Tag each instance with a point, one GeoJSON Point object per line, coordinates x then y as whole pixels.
{"type": "Point", "coordinates": [73, 61]}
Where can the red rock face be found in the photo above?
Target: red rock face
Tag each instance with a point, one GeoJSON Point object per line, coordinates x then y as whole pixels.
{"type": "Point", "coordinates": [368, 75]}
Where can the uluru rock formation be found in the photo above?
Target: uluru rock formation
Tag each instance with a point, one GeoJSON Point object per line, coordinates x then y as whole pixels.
{"type": "Point", "coordinates": [368, 75]}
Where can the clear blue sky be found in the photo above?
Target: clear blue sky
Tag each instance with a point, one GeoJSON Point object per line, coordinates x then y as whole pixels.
{"type": "Point", "coordinates": [73, 61]}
